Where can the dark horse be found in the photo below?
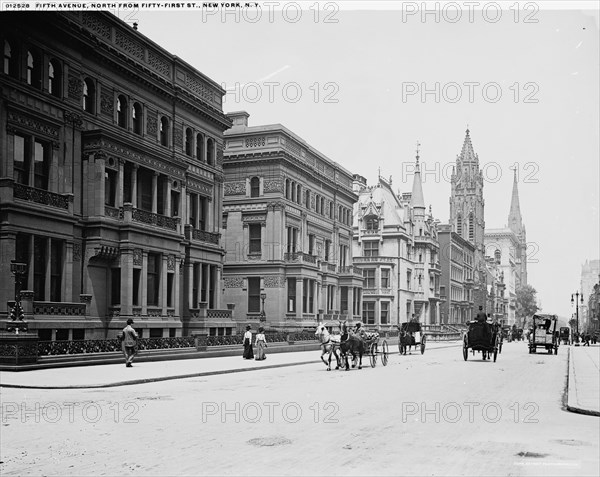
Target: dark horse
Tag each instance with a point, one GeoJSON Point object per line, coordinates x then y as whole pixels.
{"type": "Point", "coordinates": [351, 343]}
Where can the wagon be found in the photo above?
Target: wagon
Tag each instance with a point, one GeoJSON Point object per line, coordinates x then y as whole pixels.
{"type": "Point", "coordinates": [544, 334]}
{"type": "Point", "coordinates": [483, 337]}
{"type": "Point", "coordinates": [411, 335]}
{"type": "Point", "coordinates": [374, 346]}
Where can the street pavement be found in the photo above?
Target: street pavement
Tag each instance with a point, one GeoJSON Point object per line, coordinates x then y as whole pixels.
{"type": "Point", "coordinates": [430, 414]}
{"type": "Point", "coordinates": [583, 379]}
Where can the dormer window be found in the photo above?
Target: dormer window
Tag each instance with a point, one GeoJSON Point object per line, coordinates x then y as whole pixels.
{"type": "Point", "coordinates": [372, 223]}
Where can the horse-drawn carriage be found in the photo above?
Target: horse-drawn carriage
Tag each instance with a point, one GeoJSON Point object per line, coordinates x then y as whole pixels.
{"type": "Point", "coordinates": [350, 343]}
{"type": "Point", "coordinates": [565, 334]}
{"type": "Point", "coordinates": [410, 334]}
{"type": "Point", "coordinates": [484, 337]}
{"type": "Point", "coordinates": [544, 334]}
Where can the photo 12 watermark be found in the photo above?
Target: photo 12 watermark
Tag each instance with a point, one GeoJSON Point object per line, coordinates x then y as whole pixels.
{"type": "Point", "coordinates": [71, 412]}
{"type": "Point", "coordinates": [469, 411]}
{"type": "Point", "coordinates": [269, 412]}
{"type": "Point", "coordinates": [470, 92]}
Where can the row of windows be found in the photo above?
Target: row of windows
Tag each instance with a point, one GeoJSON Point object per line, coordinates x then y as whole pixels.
{"type": "Point", "coordinates": [48, 76]}
{"type": "Point", "coordinates": [369, 276]}
{"type": "Point", "coordinates": [368, 313]}
{"type": "Point", "coordinates": [43, 257]}
{"type": "Point", "coordinates": [293, 192]}
{"type": "Point", "coordinates": [32, 68]}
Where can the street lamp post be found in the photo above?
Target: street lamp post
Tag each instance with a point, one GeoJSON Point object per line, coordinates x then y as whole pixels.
{"type": "Point", "coordinates": [576, 302]}
{"type": "Point", "coordinates": [263, 316]}
{"type": "Point", "coordinates": [17, 322]}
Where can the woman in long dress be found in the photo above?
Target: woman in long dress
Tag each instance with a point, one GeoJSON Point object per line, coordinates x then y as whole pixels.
{"type": "Point", "coordinates": [261, 344]}
{"type": "Point", "coordinates": [248, 351]}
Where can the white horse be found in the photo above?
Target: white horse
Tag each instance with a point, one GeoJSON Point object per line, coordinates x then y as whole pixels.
{"type": "Point", "coordinates": [330, 344]}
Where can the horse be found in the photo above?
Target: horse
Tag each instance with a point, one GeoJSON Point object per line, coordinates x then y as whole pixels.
{"type": "Point", "coordinates": [351, 343]}
{"type": "Point", "coordinates": [406, 340]}
{"type": "Point", "coordinates": [330, 344]}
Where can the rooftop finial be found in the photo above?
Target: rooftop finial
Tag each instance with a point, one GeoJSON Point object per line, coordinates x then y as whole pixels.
{"type": "Point", "coordinates": [418, 144]}
{"type": "Point", "coordinates": [379, 172]}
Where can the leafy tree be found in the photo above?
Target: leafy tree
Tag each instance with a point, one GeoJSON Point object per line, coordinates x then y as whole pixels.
{"type": "Point", "coordinates": [526, 303]}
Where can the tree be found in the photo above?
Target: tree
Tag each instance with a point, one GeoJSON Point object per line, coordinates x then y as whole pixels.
{"type": "Point", "coordinates": [526, 303]}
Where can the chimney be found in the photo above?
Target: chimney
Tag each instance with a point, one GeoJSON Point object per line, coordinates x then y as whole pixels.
{"type": "Point", "coordinates": [239, 119]}
{"type": "Point", "coordinates": [358, 183]}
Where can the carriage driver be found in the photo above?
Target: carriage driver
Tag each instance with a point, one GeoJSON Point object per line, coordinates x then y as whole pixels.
{"type": "Point", "coordinates": [359, 330]}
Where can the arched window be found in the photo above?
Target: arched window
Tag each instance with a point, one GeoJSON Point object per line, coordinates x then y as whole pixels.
{"type": "Point", "coordinates": [54, 78]}
{"type": "Point", "coordinates": [322, 205]}
{"type": "Point", "coordinates": [210, 151]}
{"type": "Point", "coordinates": [254, 187]}
{"type": "Point", "coordinates": [471, 227]}
{"type": "Point", "coordinates": [459, 225]}
{"type": "Point", "coordinates": [34, 76]}
{"type": "Point", "coordinates": [299, 194]}
{"type": "Point", "coordinates": [331, 210]}
{"type": "Point", "coordinates": [200, 147]}
{"type": "Point", "coordinates": [497, 255]}
{"type": "Point", "coordinates": [136, 118]}
{"type": "Point", "coordinates": [307, 199]}
{"type": "Point", "coordinates": [293, 196]}
{"type": "Point", "coordinates": [122, 111]}
{"type": "Point", "coordinates": [164, 131]}
{"type": "Point", "coordinates": [287, 188]}
{"type": "Point", "coordinates": [89, 96]}
{"type": "Point", "coordinates": [189, 139]}
{"type": "Point", "coordinates": [318, 204]}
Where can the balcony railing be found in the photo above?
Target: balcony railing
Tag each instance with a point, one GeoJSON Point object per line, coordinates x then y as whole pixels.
{"type": "Point", "coordinates": [58, 308]}
{"type": "Point", "coordinates": [378, 259]}
{"type": "Point", "coordinates": [350, 270]}
{"type": "Point", "coordinates": [143, 216]}
{"type": "Point", "coordinates": [113, 212]}
{"type": "Point", "coordinates": [300, 257]}
{"type": "Point", "coordinates": [41, 196]}
{"type": "Point", "coordinates": [219, 314]}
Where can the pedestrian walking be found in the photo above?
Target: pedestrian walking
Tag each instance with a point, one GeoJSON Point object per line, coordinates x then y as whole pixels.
{"type": "Point", "coordinates": [248, 351]}
{"type": "Point", "coordinates": [129, 339]}
{"type": "Point", "coordinates": [261, 344]}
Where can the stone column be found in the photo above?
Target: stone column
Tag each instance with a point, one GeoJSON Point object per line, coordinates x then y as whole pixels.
{"type": "Point", "coordinates": [190, 274]}
{"type": "Point", "coordinates": [299, 297]}
{"type": "Point", "coordinates": [154, 192]}
{"type": "Point", "coordinates": [47, 270]}
{"type": "Point", "coordinates": [350, 311]}
{"type": "Point", "coordinates": [134, 181]}
{"type": "Point", "coordinates": [120, 180]}
{"type": "Point", "coordinates": [143, 283]}
{"type": "Point", "coordinates": [126, 282]}
{"type": "Point", "coordinates": [162, 299]}
{"type": "Point", "coordinates": [218, 287]}
{"type": "Point", "coordinates": [67, 275]}
{"type": "Point", "coordinates": [167, 212]}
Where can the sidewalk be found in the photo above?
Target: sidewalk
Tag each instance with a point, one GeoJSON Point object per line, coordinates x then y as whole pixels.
{"type": "Point", "coordinates": [584, 380]}
{"type": "Point", "coordinates": [109, 375]}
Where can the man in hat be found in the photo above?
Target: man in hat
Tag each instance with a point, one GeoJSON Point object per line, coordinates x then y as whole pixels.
{"type": "Point", "coordinates": [129, 343]}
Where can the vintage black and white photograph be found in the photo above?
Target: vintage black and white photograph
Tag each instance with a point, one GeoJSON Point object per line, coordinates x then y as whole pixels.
{"type": "Point", "coordinates": [300, 238]}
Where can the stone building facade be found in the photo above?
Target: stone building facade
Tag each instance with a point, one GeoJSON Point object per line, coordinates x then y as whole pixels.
{"type": "Point", "coordinates": [457, 257]}
{"type": "Point", "coordinates": [110, 179]}
{"type": "Point", "coordinates": [395, 244]}
{"type": "Point", "coordinates": [287, 222]}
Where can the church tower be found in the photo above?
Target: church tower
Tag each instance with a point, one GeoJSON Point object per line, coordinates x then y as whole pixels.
{"type": "Point", "coordinates": [467, 214]}
{"type": "Point", "coordinates": [515, 223]}
{"type": "Point", "coordinates": [466, 200]}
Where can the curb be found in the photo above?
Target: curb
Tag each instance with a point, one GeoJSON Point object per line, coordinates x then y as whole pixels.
{"type": "Point", "coordinates": [572, 392]}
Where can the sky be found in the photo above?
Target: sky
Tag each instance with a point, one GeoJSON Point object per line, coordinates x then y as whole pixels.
{"type": "Point", "coordinates": [363, 83]}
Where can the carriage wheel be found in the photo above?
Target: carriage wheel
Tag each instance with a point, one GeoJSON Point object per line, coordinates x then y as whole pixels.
{"type": "Point", "coordinates": [373, 354]}
{"type": "Point", "coordinates": [465, 349]}
{"type": "Point", "coordinates": [423, 340]}
{"type": "Point", "coordinates": [384, 355]}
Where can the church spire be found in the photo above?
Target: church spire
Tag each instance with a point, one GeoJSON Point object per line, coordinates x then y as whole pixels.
{"type": "Point", "coordinates": [417, 200]}
{"type": "Point", "coordinates": [467, 154]}
{"type": "Point", "coordinates": [515, 221]}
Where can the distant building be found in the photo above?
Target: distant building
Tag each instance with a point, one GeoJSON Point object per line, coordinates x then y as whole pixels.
{"type": "Point", "coordinates": [110, 179]}
{"type": "Point", "coordinates": [508, 248]}
{"type": "Point", "coordinates": [287, 222]}
{"type": "Point", "coordinates": [590, 272]}
{"type": "Point", "coordinates": [457, 257]}
{"type": "Point", "coordinates": [395, 245]}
